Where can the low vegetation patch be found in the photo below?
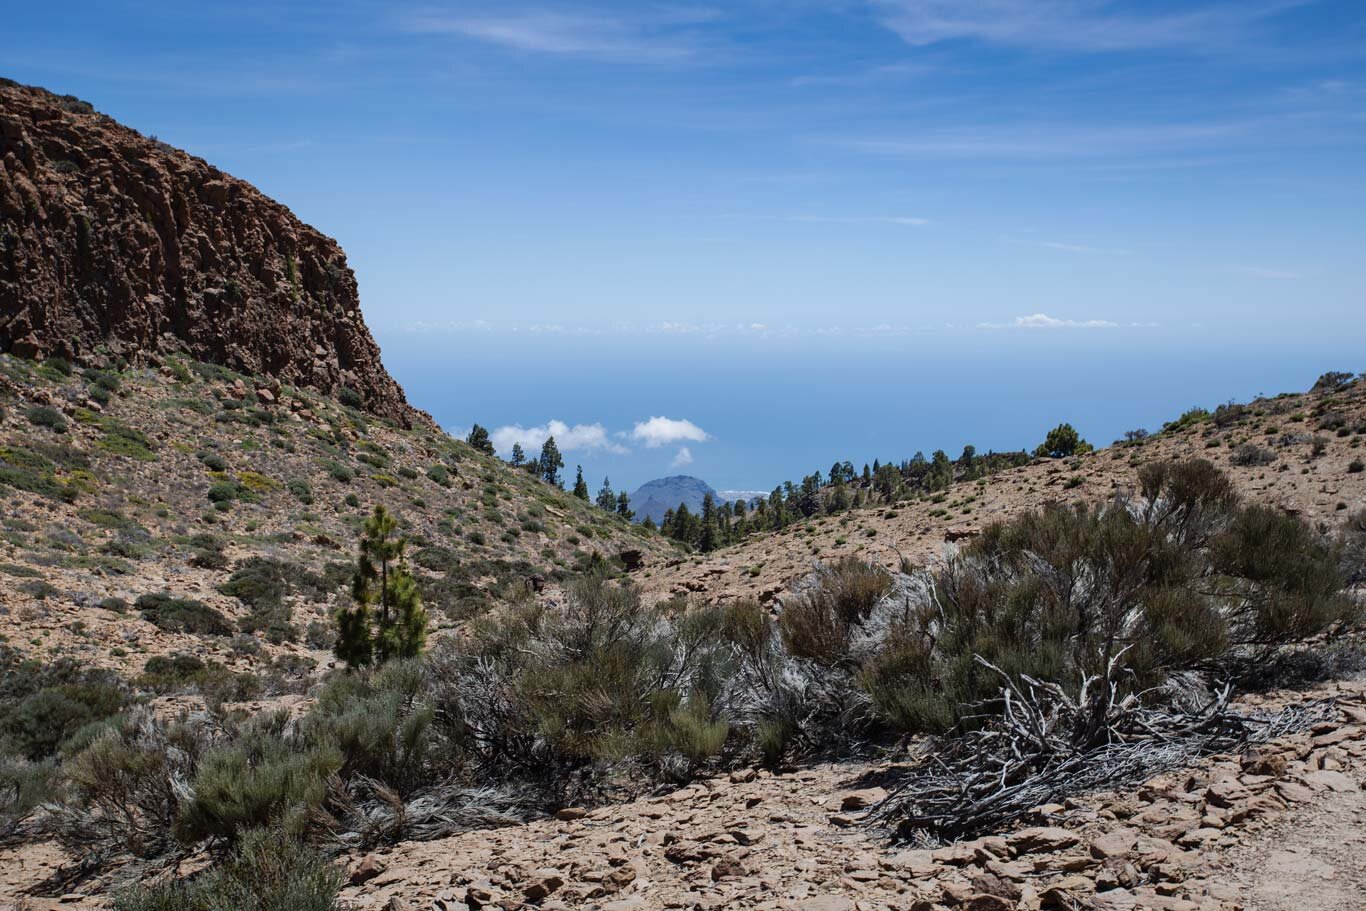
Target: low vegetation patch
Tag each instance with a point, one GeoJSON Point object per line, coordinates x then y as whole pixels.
{"type": "Point", "coordinates": [182, 615]}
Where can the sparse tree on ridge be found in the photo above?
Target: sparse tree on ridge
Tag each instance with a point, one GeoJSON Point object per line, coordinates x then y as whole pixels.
{"type": "Point", "coordinates": [624, 507]}
{"type": "Point", "coordinates": [607, 499]}
{"type": "Point", "coordinates": [550, 463]}
{"type": "Point", "coordinates": [518, 455]}
{"type": "Point", "coordinates": [580, 485]}
{"type": "Point", "coordinates": [1063, 441]}
{"type": "Point", "coordinates": [479, 439]}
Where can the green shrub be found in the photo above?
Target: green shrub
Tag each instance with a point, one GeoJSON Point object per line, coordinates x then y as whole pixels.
{"type": "Point", "coordinates": [818, 623]}
{"type": "Point", "coordinates": [101, 379]}
{"type": "Point", "coordinates": [377, 723]}
{"type": "Point", "coordinates": [207, 551]}
{"type": "Point", "coordinates": [270, 870]}
{"type": "Point", "coordinates": [262, 779]}
{"type": "Point", "coordinates": [42, 416]}
{"type": "Point", "coordinates": [24, 787]}
{"type": "Point", "coordinates": [223, 492]}
{"type": "Point", "coordinates": [56, 367]}
{"type": "Point", "coordinates": [350, 397]}
{"type": "Point", "coordinates": [1249, 455]}
{"type": "Point", "coordinates": [125, 441]}
{"type": "Point", "coordinates": [1183, 578]}
{"type": "Point", "coordinates": [212, 460]}
{"type": "Point", "coordinates": [169, 673]}
{"type": "Point", "coordinates": [1333, 381]}
{"type": "Point", "coordinates": [609, 679]}
{"type": "Point", "coordinates": [44, 721]}
{"type": "Point", "coordinates": [1356, 466]}
{"type": "Point", "coordinates": [262, 583]}
{"type": "Point", "coordinates": [301, 491]}
{"type": "Point", "coordinates": [1188, 419]}
{"type": "Point", "coordinates": [439, 474]}
{"type": "Point", "coordinates": [122, 787]}
{"type": "Point", "coordinates": [182, 615]}
{"type": "Point", "coordinates": [1062, 442]}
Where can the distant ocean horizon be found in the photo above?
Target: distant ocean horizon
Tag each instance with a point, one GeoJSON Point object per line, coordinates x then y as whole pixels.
{"type": "Point", "coordinates": [777, 409]}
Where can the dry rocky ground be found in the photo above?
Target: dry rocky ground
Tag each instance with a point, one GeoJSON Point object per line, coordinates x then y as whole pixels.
{"type": "Point", "coordinates": [1280, 827]}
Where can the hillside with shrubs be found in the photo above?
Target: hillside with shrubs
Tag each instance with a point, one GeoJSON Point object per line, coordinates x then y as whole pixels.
{"type": "Point", "coordinates": [179, 520]}
{"type": "Point", "coordinates": [1303, 452]}
{"type": "Point", "coordinates": [332, 699]}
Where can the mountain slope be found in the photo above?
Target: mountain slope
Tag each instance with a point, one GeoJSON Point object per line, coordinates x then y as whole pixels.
{"type": "Point", "coordinates": [113, 244]}
{"type": "Point", "coordinates": [115, 485]}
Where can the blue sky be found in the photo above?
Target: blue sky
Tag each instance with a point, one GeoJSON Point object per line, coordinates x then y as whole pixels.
{"type": "Point", "coordinates": [799, 231]}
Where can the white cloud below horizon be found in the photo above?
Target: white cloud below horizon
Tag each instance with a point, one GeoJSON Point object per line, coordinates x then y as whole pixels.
{"type": "Point", "coordinates": [1044, 321]}
{"type": "Point", "coordinates": [661, 431]}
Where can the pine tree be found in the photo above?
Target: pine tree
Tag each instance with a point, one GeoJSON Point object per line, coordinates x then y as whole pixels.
{"type": "Point", "coordinates": [387, 619]}
{"type": "Point", "coordinates": [479, 439]}
{"type": "Point", "coordinates": [580, 485]}
{"type": "Point", "coordinates": [551, 462]}
{"type": "Point", "coordinates": [607, 499]}
{"type": "Point", "coordinates": [707, 537]}
{"type": "Point", "coordinates": [518, 455]}
{"type": "Point", "coordinates": [624, 507]}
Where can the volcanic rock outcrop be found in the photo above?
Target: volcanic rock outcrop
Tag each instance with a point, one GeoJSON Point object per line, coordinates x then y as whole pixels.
{"type": "Point", "coordinates": [113, 244]}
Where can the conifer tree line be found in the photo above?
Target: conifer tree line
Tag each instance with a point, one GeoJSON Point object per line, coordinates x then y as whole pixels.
{"type": "Point", "coordinates": [844, 487]}
{"type": "Point", "coordinates": [548, 466]}
{"type": "Point", "coordinates": [839, 490]}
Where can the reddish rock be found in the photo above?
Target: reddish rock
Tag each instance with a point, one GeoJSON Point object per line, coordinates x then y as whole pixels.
{"type": "Point", "coordinates": [568, 814]}
{"type": "Point", "coordinates": [367, 869]}
{"type": "Point", "coordinates": [115, 240]}
{"type": "Point", "coordinates": [1042, 839]}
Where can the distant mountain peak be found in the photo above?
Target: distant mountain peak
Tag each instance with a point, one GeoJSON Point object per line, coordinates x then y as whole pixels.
{"type": "Point", "coordinates": [653, 498]}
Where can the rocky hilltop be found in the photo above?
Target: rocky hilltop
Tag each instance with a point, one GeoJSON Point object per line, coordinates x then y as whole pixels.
{"type": "Point", "coordinates": [113, 244]}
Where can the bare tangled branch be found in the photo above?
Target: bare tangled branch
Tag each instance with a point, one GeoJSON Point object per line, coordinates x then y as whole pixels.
{"type": "Point", "coordinates": [1037, 744]}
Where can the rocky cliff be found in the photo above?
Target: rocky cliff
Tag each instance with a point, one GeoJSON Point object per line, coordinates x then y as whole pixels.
{"type": "Point", "coordinates": [115, 244]}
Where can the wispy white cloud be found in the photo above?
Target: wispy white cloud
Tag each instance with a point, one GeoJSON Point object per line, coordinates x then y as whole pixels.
{"type": "Point", "coordinates": [662, 431]}
{"type": "Point", "coordinates": [567, 438]}
{"type": "Point", "coordinates": [1074, 248]}
{"type": "Point", "coordinates": [1259, 272]}
{"type": "Point", "coordinates": [683, 458]}
{"type": "Point", "coordinates": [1058, 141]}
{"type": "Point", "coordinates": [1044, 321]}
{"type": "Point", "coordinates": [902, 220]}
{"type": "Point", "coordinates": [889, 72]}
{"type": "Point", "coordinates": [711, 330]}
{"type": "Point", "coordinates": [660, 37]}
{"type": "Point", "coordinates": [1080, 25]}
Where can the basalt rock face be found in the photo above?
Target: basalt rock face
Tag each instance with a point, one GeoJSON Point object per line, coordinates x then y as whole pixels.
{"type": "Point", "coordinates": [115, 244]}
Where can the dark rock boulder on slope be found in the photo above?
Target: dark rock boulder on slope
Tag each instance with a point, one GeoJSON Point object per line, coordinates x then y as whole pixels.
{"type": "Point", "coordinates": [111, 241]}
